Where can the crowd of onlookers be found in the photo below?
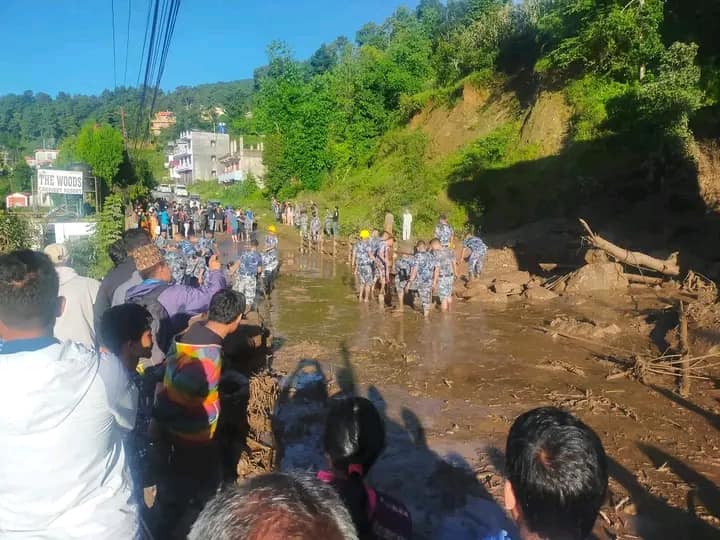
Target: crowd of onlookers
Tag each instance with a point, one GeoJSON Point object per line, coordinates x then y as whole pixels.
{"type": "Point", "coordinates": [111, 395]}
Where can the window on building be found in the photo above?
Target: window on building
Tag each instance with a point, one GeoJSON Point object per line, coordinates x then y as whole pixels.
{"type": "Point", "coordinates": [213, 158]}
{"type": "Point", "coordinates": [213, 173]}
{"type": "Point", "coordinates": [212, 143]}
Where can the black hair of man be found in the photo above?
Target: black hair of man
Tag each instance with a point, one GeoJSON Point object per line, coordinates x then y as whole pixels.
{"type": "Point", "coordinates": [254, 243]}
{"type": "Point", "coordinates": [117, 252]}
{"type": "Point", "coordinates": [226, 306]}
{"type": "Point", "coordinates": [557, 469]}
{"type": "Point", "coordinates": [29, 288]}
{"type": "Point", "coordinates": [122, 324]}
{"type": "Point", "coordinates": [275, 506]}
{"type": "Point", "coordinates": [135, 238]}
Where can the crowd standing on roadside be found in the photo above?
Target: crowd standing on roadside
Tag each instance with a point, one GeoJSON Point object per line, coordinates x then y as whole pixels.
{"type": "Point", "coordinates": [125, 394]}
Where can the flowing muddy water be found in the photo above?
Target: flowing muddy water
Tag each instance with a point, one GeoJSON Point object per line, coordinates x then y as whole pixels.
{"type": "Point", "coordinates": [450, 387]}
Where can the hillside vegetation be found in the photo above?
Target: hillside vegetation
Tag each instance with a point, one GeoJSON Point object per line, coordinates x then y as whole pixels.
{"type": "Point", "coordinates": [496, 112]}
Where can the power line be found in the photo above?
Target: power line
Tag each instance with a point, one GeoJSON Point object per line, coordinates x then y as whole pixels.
{"type": "Point", "coordinates": [127, 41]}
{"type": "Point", "coordinates": [112, 11]}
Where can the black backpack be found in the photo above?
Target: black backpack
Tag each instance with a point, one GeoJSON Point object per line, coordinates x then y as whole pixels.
{"type": "Point", "coordinates": [161, 324]}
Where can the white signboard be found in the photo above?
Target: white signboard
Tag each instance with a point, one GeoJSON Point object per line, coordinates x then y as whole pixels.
{"type": "Point", "coordinates": [69, 230]}
{"type": "Point", "coordinates": [64, 182]}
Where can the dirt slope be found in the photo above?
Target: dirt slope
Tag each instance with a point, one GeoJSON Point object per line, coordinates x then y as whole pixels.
{"type": "Point", "coordinates": [477, 113]}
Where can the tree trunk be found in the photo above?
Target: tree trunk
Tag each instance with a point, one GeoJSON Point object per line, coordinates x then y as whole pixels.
{"type": "Point", "coordinates": [669, 267]}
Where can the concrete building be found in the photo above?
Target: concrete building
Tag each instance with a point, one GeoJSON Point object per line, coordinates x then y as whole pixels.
{"type": "Point", "coordinates": [194, 156]}
{"type": "Point", "coordinates": [242, 161]}
{"type": "Point", "coordinates": [162, 120]}
{"type": "Point", "coordinates": [45, 157]}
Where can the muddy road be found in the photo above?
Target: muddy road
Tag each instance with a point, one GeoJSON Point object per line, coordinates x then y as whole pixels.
{"type": "Point", "coordinates": [450, 387]}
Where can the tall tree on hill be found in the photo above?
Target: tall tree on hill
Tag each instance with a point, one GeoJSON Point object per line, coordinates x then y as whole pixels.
{"type": "Point", "coordinates": [102, 148]}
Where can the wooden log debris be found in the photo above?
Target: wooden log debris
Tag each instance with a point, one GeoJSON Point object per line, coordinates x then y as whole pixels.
{"type": "Point", "coordinates": [668, 267]}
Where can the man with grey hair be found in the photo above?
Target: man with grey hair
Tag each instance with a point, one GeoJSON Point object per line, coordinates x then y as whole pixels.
{"type": "Point", "coordinates": [275, 506]}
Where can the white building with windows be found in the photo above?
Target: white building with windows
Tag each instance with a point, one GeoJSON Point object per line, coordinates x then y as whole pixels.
{"type": "Point", "coordinates": [241, 162]}
{"type": "Point", "coordinates": [195, 156]}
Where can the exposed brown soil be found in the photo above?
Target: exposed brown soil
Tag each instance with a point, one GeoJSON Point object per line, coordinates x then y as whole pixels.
{"type": "Point", "coordinates": [450, 388]}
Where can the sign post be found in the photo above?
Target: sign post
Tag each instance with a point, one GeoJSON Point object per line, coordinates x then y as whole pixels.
{"type": "Point", "coordinates": [62, 182]}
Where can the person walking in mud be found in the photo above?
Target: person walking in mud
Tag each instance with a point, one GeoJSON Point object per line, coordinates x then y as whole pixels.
{"type": "Point", "coordinates": [382, 264]}
{"type": "Point", "coordinates": [444, 232]}
{"type": "Point", "coordinates": [474, 251]}
{"type": "Point", "coordinates": [315, 237]}
{"type": "Point", "coordinates": [270, 257]}
{"type": "Point", "coordinates": [403, 269]}
{"type": "Point", "coordinates": [424, 275]}
{"type": "Point", "coordinates": [363, 264]}
{"type": "Point", "coordinates": [304, 231]}
{"type": "Point", "coordinates": [445, 260]}
{"type": "Point", "coordinates": [247, 269]}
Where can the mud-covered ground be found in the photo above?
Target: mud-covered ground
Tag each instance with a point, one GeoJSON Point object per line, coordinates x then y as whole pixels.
{"type": "Point", "coordinates": [450, 387]}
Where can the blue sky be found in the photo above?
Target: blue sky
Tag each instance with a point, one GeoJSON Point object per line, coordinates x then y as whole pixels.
{"type": "Point", "coordinates": [66, 45]}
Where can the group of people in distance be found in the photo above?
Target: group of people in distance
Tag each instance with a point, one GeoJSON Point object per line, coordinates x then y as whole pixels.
{"type": "Point", "coordinates": [429, 271]}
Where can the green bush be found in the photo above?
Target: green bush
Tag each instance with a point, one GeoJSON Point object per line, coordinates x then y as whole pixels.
{"type": "Point", "coordinates": [237, 195]}
{"type": "Point", "coordinates": [589, 97]}
{"type": "Point", "coordinates": [14, 232]}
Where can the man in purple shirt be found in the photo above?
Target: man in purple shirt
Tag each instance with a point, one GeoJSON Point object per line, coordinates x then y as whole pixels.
{"type": "Point", "coordinates": [171, 304]}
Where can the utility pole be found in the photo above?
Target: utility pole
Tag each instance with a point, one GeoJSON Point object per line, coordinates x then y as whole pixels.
{"type": "Point", "coordinates": [122, 122]}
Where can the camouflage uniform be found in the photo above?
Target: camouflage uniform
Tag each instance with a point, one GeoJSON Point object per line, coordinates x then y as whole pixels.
{"type": "Point", "coordinates": [177, 264]}
{"type": "Point", "coordinates": [478, 249]}
{"type": "Point", "coordinates": [403, 269]}
{"type": "Point", "coordinates": [206, 246]}
{"type": "Point", "coordinates": [363, 262]}
{"type": "Point", "coordinates": [315, 229]}
{"type": "Point", "coordinates": [380, 270]}
{"type": "Point", "coordinates": [162, 242]}
{"type": "Point", "coordinates": [444, 259]}
{"type": "Point", "coordinates": [196, 268]}
{"type": "Point", "coordinates": [444, 233]}
{"type": "Point", "coordinates": [270, 258]}
{"type": "Point", "coordinates": [246, 277]}
{"type": "Point", "coordinates": [425, 263]}
{"type": "Point", "coordinates": [304, 226]}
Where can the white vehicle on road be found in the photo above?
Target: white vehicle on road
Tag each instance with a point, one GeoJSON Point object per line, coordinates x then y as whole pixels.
{"type": "Point", "coordinates": [180, 190]}
{"type": "Point", "coordinates": [164, 188]}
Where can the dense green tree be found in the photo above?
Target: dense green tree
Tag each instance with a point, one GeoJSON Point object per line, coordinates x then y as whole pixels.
{"type": "Point", "coordinates": [21, 177]}
{"type": "Point", "coordinates": [102, 148]}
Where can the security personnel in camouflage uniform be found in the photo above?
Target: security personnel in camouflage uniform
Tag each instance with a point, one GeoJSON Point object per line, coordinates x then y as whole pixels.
{"type": "Point", "coordinates": [247, 269]}
{"type": "Point", "coordinates": [363, 259]}
{"type": "Point", "coordinates": [270, 256]}
{"type": "Point", "coordinates": [474, 250]}
{"type": "Point", "coordinates": [304, 229]}
{"type": "Point", "coordinates": [425, 275]}
{"type": "Point", "coordinates": [176, 261]}
{"type": "Point", "coordinates": [444, 232]}
{"type": "Point", "coordinates": [445, 260]}
{"type": "Point", "coordinates": [403, 270]}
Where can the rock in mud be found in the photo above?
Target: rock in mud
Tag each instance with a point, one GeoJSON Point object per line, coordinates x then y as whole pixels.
{"type": "Point", "coordinates": [539, 294]}
{"type": "Point", "coordinates": [507, 288]}
{"type": "Point", "coordinates": [519, 277]}
{"type": "Point", "coordinates": [486, 296]}
{"type": "Point", "coordinates": [597, 277]}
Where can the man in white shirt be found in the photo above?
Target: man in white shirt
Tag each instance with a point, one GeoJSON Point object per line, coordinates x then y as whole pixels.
{"type": "Point", "coordinates": [63, 413]}
{"type": "Point", "coordinates": [77, 320]}
{"type": "Point", "coordinates": [407, 224]}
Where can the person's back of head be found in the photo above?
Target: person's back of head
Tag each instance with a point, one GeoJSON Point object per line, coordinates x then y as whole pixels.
{"type": "Point", "coordinates": [135, 238]}
{"type": "Point", "coordinates": [150, 263]}
{"type": "Point", "coordinates": [226, 311]}
{"type": "Point", "coordinates": [29, 288]}
{"type": "Point", "coordinates": [126, 331]}
{"type": "Point", "coordinates": [556, 475]}
{"type": "Point", "coordinates": [118, 252]}
{"type": "Point", "coordinates": [275, 506]}
{"type": "Point", "coordinates": [354, 439]}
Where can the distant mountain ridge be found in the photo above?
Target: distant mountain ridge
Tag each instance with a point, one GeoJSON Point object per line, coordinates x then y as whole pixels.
{"type": "Point", "coordinates": [30, 120]}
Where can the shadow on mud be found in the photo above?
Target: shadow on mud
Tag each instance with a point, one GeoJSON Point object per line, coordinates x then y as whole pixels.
{"type": "Point", "coordinates": [442, 492]}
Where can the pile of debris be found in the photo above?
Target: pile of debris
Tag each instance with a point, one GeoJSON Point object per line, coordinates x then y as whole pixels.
{"type": "Point", "coordinates": [607, 267]}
